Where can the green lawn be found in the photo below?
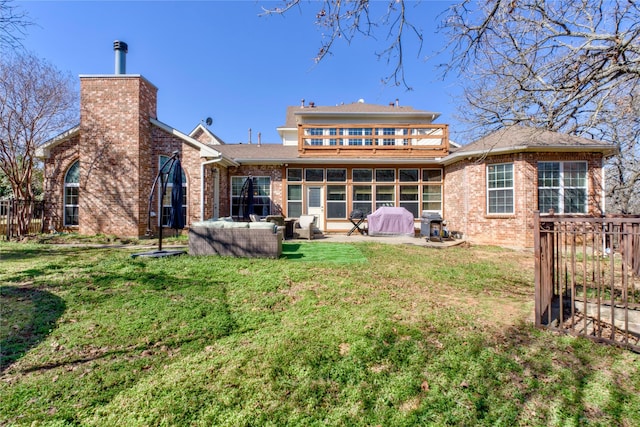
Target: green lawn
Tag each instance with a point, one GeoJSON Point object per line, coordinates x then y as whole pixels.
{"type": "Point", "coordinates": [341, 335]}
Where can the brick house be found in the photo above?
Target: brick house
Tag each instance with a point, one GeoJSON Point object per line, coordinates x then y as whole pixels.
{"type": "Point", "coordinates": [332, 160]}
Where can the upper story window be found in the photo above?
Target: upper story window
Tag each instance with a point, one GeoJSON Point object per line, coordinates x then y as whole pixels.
{"type": "Point", "coordinates": [360, 132]}
{"type": "Point", "coordinates": [562, 186]}
{"type": "Point", "coordinates": [71, 194]}
{"type": "Point", "coordinates": [500, 189]}
{"type": "Point", "coordinates": [315, 131]}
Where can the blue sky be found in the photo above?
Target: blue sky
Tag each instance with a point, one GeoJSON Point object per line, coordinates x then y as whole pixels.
{"type": "Point", "coordinates": [220, 59]}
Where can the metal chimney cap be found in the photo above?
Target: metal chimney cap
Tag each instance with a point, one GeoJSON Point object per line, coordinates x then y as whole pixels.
{"type": "Point", "coordinates": [118, 45]}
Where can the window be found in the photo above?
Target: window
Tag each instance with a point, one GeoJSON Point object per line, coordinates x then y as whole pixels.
{"type": "Point", "coordinates": [315, 131]}
{"type": "Point", "coordinates": [360, 132]}
{"type": "Point", "coordinates": [432, 197]}
{"type": "Point", "coordinates": [334, 141]}
{"type": "Point", "coordinates": [385, 175]}
{"type": "Point", "coordinates": [409, 199]}
{"type": "Point", "coordinates": [314, 175]}
{"type": "Point", "coordinates": [362, 175]}
{"type": "Point", "coordinates": [500, 188]}
{"type": "Point", "coordinates": [386, 132]}
{"type": "Point", "coordinates": [165, 207]}
{"type": "Point", "coordinates": [362, 198]}
{"type": "Point", "coordinates": [71, 194]}
{"type": "Point", "coordinates": [336, 201]}
{"type": "Point", "coordinates": [336, 175]}
{"type": "Point", "coordinates": [294, 175]}
{"type": "Point", "coordinates": [408, 175]}
{"type": "Point", "coordinates": [385, 195]}
{"type": "Point", "coordinates": [562, 186]}
{"type": "Point", "coordinates": [432, 175]}
{"type": "Point", "coordinates": [294, 201]}
{"type": "Point", "coordinates": [261, 195]}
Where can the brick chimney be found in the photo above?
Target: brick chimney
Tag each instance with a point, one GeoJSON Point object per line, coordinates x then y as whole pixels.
{"type": "Point", "coordinates": [115, 150]}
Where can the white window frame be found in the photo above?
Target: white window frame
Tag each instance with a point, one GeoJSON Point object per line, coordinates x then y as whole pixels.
{"type": "Point", "coordinates": [68, 185]}
{"type": "Point", "coordinates": [561, 188]}
{"type": "Point", "coordinates": [491, 190]}
{"type": "Point", "coordinates": [257, 186]}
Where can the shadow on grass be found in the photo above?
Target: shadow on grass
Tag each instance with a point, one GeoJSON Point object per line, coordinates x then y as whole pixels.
{"type": "Point", "coordinates": [28, 315]}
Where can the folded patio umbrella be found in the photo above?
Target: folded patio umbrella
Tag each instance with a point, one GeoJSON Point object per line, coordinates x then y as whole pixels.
{"type": "Point", "coordinates": [176, 218]}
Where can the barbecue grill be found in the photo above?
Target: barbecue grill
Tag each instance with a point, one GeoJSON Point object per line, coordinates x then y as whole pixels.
{"type": "Point", "coordinates": [357, 217]}
{"type": "Point", "coordinates": [431, 225]}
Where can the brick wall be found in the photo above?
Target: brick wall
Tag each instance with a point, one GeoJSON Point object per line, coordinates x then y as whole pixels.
{"type": "Point", "coordinates": [465, 196]}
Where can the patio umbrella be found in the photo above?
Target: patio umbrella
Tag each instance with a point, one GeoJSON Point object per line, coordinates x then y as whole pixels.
{"type": "Point", "coordinates": [176, 218]}
{"type": "Point", "coordinates": [250, 201]}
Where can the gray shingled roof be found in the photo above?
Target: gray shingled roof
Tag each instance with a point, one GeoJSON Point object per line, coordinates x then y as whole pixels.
{"type": "Point", "coordinates": [269, 153]}
{"type": "Point", "coordinates": [355, 108]}
{"type": "Point", "coordinates": [519, 138]}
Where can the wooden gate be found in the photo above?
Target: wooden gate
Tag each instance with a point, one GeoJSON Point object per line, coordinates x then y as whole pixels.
{"type": "Point", "coordinates": [587, 276]}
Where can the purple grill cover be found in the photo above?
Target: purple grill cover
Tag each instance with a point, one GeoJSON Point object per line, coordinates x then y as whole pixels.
{"type": "Point", "coordinates": [390, 221]}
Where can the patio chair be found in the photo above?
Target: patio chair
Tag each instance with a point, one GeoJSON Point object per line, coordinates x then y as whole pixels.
{"type": "Point", "coordinates": [254, 218]}
{"type": "Point", "coordinates": [304, 226]}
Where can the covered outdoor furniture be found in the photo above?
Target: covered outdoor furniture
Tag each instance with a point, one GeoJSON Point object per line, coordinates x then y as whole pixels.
{"type": "Point", "coordinates": [304, 227]}
{"type": "Point", "coordinates": [391, 221]}
{"type": "Point", "coordinates": [356, 218]}
{"type": "Point", "coordinates": [239, 239]}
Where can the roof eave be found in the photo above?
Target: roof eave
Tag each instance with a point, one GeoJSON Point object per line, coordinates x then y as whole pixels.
{"type": "Point", "coordinates": [44, 151]}
{"type": "Point", "coordinates": [206, 151]}
{"type": "Point", "coordinates": [606, 149]}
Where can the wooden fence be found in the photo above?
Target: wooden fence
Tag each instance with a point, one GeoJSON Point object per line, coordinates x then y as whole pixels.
{"type": "Point", "coordinates": [10, 210]}
{"type": "Point", "coordinates": [587, 277]}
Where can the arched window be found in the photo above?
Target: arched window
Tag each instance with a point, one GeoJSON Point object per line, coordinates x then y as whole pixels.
{"type": "Point", "coordinates": [165, 203]}
{"type": "Point", "coordinates": [71, 192]}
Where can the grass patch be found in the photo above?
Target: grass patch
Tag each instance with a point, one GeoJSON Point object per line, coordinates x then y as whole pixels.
{"type": "Point", "coordinates": [409, 337]}
{"type": "Point", "coordinates": [323, 252]}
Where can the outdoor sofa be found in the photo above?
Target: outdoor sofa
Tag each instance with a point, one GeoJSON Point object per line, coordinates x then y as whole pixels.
{"type": "Point", "coordinates": [237, 239]}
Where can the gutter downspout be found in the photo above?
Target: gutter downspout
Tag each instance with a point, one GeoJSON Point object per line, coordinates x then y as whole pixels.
{"type": "Point", "coordinates": [202, 165]}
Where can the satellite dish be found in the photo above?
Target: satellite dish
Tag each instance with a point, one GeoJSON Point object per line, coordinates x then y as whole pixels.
{"type": "Point", "coordinates": [209, 121]}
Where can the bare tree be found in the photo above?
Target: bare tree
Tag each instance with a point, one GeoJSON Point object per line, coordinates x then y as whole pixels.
{"type": "Point", "coordinates": [13, 25]}
{"type": "Point", "coordinates": [36, 102]}
{"type": "Point", "coordinates": [347, 20]}
{"type": "Point", "coordinates": [622, 125]}
{"type": "Point", "coordinates": [555, 65]}
{"type": "Point", "coordinates": [570, 66]}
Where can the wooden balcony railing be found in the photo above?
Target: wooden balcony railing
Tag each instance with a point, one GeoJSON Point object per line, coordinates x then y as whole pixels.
{"type": "Point", "coordinates": [373, 140]}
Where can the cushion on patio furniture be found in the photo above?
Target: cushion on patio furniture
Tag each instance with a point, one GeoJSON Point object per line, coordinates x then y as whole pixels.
{"type": "Point", "coordinates": [262, 226]}
{"type": "Point", "coordinates": [209, 224]}
{"type": "Point", "coordinates": [237, 225]}
{"type": "Point", "coordinates": [306, 221]}
{"type": "Point", "coordinates": [304, 227]}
